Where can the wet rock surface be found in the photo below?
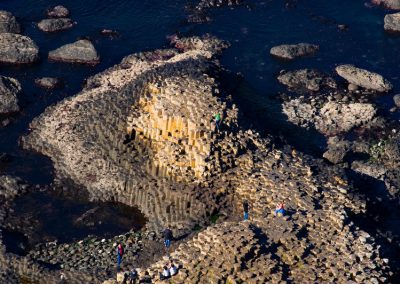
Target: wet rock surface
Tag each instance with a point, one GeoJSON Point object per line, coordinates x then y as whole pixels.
{"type": "Point", "coordinates": [293, 51]}
{"type": "Point", "coordinates": [81, 51]}
{"type": "Point", "coordinates": [49, 83]}
{"type": "Point", "coordinates": [17, 49]}
{"type": "Point", "coordinates": [364, 78]}
{"type": "Point", "coordinates": [8, 23]}
{"type": "Point", "coordinates": [9, 89]}
{"type": "Point", "coordinates": [55, 25]}
{"type": "Point", "coordinates": [305, 80]}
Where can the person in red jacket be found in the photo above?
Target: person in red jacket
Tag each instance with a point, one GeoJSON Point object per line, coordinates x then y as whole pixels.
{"type": "Point", "coordinates": [120, 254]}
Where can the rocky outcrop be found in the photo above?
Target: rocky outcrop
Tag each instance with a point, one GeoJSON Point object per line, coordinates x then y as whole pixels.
{"type": "Point", "coordinates": [81, 51]}
{"type": "Point", "coordinates": [330, 118]}
{"type": "Point", "coordinates": [293, 51]}
{"type": "Point", "coordinates": [364, 78]}
{"type": "Point", "coordinates": [55, 25]}
{"type": "Point", "coordinates": [337, 150]}
{"type": "Point", "coordinates": [48, 83]}
{"type": "Point", "coordinates": [17, 49]}
{"type": "Point", "coordinates": [9, 89]}
{"type": "Point", "coordinates": [58, 11]}
{"type": "Point", "coordinates": [8, 23]}
{"type": "Point", "coordinates": [305, 80]}
{"type": "Point", "coordinates": [392, 22]}
{"type": "Point", "coordinates": [389, 4]}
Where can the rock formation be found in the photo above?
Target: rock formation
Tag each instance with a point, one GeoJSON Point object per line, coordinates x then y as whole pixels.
{"type": "Point", "coordinates": [9, 88]}
{"type": "Point", "coordinates": [389, 4]}
{"type": "Point", "coordinates": [17, 49]}
{"type": "Point", "coordinates": [364, 78]}
{"type": "Point", "coordinates": [305, 80]}
{"type": "Point", "coordinates": [293, 51]}
{"type": "Point", "coordinates": [48, 83]}
{"type": "Point", "coordinates": [8, 23]}
{"type": "Point", "coordinates": [55, 25]}
{"type": "Point", "coordinates": [58, 11]}
{"type": "Point", "coordinates": [392, 22]}
{"type": "Point", "coordinates": [81, 51]}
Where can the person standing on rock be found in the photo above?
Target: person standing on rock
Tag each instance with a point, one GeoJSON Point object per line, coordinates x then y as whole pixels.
{"type": "Point", "coordinates": [167, 238]}
{"type": "Point", "coordinates": [133, 276]}
{"type": "Point", "coordinates": [120, 254]}
{"type": "Point", "coordinates": [217, 119]}
{"type": "Point", "coordinates": [246, 210]}
{"type": "Point", "coordinates": [280, 209]}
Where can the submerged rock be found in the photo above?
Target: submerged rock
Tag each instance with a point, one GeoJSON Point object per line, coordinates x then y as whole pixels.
{"type": "Point", "coordinates": [306, 80]}
{"type": "Point", "coordinates": [8, 23]}
{"type": "Point", "coordinates": [392, 22]}
{"type": "Point", "coordinates": [55, 25]}
{"type": "Point", "coordinates": [17, 49]}
{"type": "Point", "coordinates": [292, 51]}
{"type": "Point", "coordinates": [58, 11]}
{"type": "Point", "coordinates": [48, 82]}
{"type": "Point", "coordinates": [9, 88]}
{"type": "Point", "coordinates": [364, 78]}
{"type": "Point", "coordinates": [81, 51]}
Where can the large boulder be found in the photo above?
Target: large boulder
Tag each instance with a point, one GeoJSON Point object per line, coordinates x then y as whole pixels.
{"type": "Point", "coordinates": [9, 88]}
{"type": "Point", "coordinates": [392, 22]}
{"type": "Point", "coordinates": [81, 51]}
{"type": "Point", "coordinates": [55, 25]}
{"type": "Point", "coordinates": [364, 78]}
{"type": "Point", "coordinates": [17, 49]}
{"type": "Point", "coordinates": [305, 80]}
{"type": "Point", "coordinates": [292, 51]}
{"type": "Point", "coordinates": [58, 12]}
{"type": "Point", "coordinates": [8, 23]}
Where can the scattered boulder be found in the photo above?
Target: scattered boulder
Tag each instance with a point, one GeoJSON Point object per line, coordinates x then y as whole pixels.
{"type": "Point", "coordinates": [48, 83]}
{"type": "Point", "coordinates": [337, 150]}
{"type": "Point", "coordinates": [81, 51]}
{"type": "Point", "coordinates": [364, 78]}
{"type": "Point", "coordinates": [55, 25]}
{"type": "Point", "coordinates": [293, 51]}
{"type": "Point", "coordinates": [306, 80]}
{"type": "Point", "coordinates": [17, 49]}
{"type": "Point", "coordinates": [58, 12]}
{"type": "Point", "coordinates": [392, 22]}
{"type": "Point", "coordinates": [396, 100]}
{"type": "Point", "coordinates": [109, 32]}
{"type": "Point", "coordinates": [8, 23]}
{"type": "Point", "coordinates": [9, 88]}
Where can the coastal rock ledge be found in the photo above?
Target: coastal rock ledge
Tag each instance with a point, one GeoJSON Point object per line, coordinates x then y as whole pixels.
{"type": "Point", "coordinates": [141, 133]}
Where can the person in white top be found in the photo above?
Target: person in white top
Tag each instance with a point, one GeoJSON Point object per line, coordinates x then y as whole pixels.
{"type": "Point", "coordinates": [165, 274]}
{"type": "Point", "coordinates": [173, 269]}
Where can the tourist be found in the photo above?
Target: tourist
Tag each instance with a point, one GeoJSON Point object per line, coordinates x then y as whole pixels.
{"type": "Point", "coordinates": [246, 210]}
{"type": "Point", "coordinates": [280, 209]}
{"type": "Point", "coordinates": [125, 280]}
{"type": "Point", "coordinates": [165, 274]}
{"type": "Point", "coordinates": [120, 254]}
{"type": "Point", "coordinates": [217, 119]}
{"type": "Point", "coordinates": [173, 270]}
{"type": "Point", "coordinates": [133, 276]}
{"type": "Point", "coordinates": [63, 279]}
{"type": "Point", "coordinates": [146, 278]}
{"type": "Point", "coordinates": [167, 237]}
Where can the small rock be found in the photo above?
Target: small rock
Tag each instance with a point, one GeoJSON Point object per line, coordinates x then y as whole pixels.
{"type": "Point", "coordinates": [58, 12]}
{"type": "Point", "coordinates": [396, 100]}
{"type": "Point", "coordinates": [9, 88]}
{"type": "Point", "coordinates": [292, 51]}
{"type": "Point", "coordinates": [8, 23]}
{"type": "Point", "coordinates": [364, 78]}
{"type": "Point", "coordinates": [352, 87]}
{"type": "Point", "coordinates": [55, 25]}
{"type": "Point", "coordinates": [81, 51]}
{"type": "Point", "coordinates": [48, 83]}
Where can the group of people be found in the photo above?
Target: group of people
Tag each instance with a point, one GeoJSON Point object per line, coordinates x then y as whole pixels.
{"type": "Point", "coordinates": [168, 271]}
{"type": "Point", "coordinates": [280, 210]}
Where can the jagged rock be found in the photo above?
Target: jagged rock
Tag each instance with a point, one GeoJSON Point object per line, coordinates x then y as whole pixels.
{"type": "Point", "coordinates": [58, 11]}
{"type": "Point", "coordinates": [306, 80]}
{"type": "Point", "coordinates": [17, 49]}
{"type": "Point", "coordinates": [396, 100]}
{"type": "Point", "coordinates": [337, 150]}
{"type": "Point", "coordinates": [9, 88]}
{"type": "Point", "coordinates": [293, 51]}
{"type": "Point", "coordinates": [81, 51]}
{"type": "Point", "coordinates": [364, 78]}
{"type": "Point", "coordinates": [48, 83]}
{"type": "Point", "coordinates": [55, 25]}
{"type": "Point", "coordinates": [392, 22]}
{"type": "Point", "coordinates": [389, 4]}
{"type": "Point", "coordinates": [8, 23]}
